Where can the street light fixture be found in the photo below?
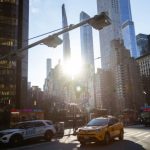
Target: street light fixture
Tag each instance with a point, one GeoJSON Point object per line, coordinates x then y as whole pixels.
{"type": "Point", "coordinates": [98, 22]}
{"type": "Point", "coordinates": [52, 41]}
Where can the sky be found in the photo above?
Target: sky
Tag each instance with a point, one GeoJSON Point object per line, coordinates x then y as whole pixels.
{"type": "Point", "coordinates": [46, 16]}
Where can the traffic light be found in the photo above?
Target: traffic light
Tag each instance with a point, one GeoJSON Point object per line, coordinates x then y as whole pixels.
{"type": "Point", "coordinates": [78, 90]}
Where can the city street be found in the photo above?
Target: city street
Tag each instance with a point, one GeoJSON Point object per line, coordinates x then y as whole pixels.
{"type": "Point", "coordinates": [135, 138]}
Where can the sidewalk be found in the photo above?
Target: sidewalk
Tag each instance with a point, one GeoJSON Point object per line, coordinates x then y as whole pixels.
{"type": "Point", "coordinates": [68, 132]}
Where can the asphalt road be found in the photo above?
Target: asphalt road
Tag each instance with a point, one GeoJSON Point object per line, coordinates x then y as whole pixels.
{"type": "Point", "coordinates": [135, 138]}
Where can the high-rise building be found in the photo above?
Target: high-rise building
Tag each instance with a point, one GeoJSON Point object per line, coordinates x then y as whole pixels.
{"type": "Point", "coordinates": [110, 32]}
{"type": "Point", "coordinates": [144, 65]}
{"type": "Point", "coordinates": [115, 57]}
{"type": "Point", "coordinates": [143, 44]}
{"type": "Point", "coordinates": [66, 40]}
{"type": "Point", "coordinates": [14, 20]}
{"type": "Point", "coordinates": [97, 88]}
{"type": "Point", "coordinates": [87, 55]}
{"type": "Point", "coordinates": [86, 37]}
{"type": "Point", "coordinates": [122, 27]}
{"type": "Point", "coordinates": [125, 10]}
{"type": "Point", "coordinates": [128, 85]}
{"type": "Point", "coordinates": [48, 66]}
{"type": "Point", "coordinates": [127, 25]}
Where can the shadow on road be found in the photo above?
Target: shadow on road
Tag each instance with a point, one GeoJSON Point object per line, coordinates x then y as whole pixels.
{"type": "Point", "coordinates": [115, 145]}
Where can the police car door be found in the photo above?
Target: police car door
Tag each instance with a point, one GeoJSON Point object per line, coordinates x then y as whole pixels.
{"type": "Point", "coordinates": [40, 128]}
{"type": "Point", "coordinates": [29, 130]}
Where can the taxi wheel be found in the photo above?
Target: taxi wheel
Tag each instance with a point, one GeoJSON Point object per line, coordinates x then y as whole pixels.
{"type": "Point", "coordinates": [121, 135]}
{"type": "Point", "coordinates": [16, 140]}
{"type": "Point", "coordinates": [48, 135]}
{"type": "Point", "coordinates": [107, 139]}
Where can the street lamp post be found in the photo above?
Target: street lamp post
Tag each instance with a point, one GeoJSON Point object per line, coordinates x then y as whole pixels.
{"type": "Point", "coordinates": [98, 22]}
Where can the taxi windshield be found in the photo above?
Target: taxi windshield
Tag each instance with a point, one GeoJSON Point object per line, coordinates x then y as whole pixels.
{"type": "Point", "coordinates": [98, 122]}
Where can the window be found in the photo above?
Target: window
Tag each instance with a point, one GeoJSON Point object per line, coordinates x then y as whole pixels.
{"type": "Point", "coordinates": [49, 122]}
{"type": "Point", "coordinates": [7, 42]}
{"type": "Point", "coordinates": [8, 20]}
{"type": "Point", "coordinates": [38, 124]}
{"type": "Point", "coordinates": [9, 1]}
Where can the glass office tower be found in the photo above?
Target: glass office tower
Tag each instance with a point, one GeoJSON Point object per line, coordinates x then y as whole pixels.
{"type": "Point", "coordinates": [128, 31]}
{"type": "Point", "coordinates": [110, 32]}
{"type": "Point", "coordinates": [14, 16]}
{"type": "Point", "coordinates": [86, 37]}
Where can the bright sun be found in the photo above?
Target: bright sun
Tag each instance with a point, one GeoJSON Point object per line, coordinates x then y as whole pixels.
{"type": "Point", "coordinates": [73, 67]}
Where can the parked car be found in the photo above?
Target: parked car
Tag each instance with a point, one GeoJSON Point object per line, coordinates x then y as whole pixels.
{"type": "Point", "coordinates": [28, 130]}
{"type": "Point", "coordinates": [145, 118]}
{"type": "Point", "coordinates": [101, 129]}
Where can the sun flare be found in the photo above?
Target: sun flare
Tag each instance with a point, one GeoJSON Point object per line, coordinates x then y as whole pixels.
{"type": "Point", "coordinates": [72, 68]}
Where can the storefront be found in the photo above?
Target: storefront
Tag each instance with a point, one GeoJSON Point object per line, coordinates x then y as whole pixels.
{"type": "Point", "coordinates": [25, 114]}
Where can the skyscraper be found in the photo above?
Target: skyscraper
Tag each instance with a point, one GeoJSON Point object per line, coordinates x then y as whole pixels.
{"type": "Point", "coordinates": [66, 40]}
{"type": "Point", "coordinates": [14, 19]}
{"type": "Point", "coordinates": [48, 66]}
{"type": "Point", "coordinates": [87, 56]}
{"type": "Point", "coordinates": [115, 40]}
{"type": "Point", "coordinates": [110, 32]}
{"type": "Point", "coordinates": [122, 27]}
{"type": "Point", "coordinates": [125, 10]}
{"type": "Point", "coordinates": [86, 37]}
{"type": "Point", "coordinates": [127, 25]}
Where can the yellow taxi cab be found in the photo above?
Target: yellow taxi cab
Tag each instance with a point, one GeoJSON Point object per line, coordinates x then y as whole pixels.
{"type": "Point", "coordinates": [101, 129]}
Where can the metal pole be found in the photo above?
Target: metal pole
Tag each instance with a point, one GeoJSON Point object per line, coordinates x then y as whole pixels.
{"type": "Point", "coordinates": [71, 27]}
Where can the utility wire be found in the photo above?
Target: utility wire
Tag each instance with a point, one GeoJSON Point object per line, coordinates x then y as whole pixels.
{"type": "Point", "coordinates": [14, 52]}
{"type": "Point", "coordinates": [46, 33]}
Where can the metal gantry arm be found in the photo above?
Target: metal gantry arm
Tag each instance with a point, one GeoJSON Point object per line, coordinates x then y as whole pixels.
{"type": "Point", "coordinates": [98, 22]}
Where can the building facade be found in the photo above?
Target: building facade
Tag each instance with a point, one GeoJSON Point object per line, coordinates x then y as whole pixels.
{"type": "Point", "coordinates": [144, 65]}
{"type": "Point", "coordinates": [48, 66]}
{"type": "Point", "coordinates": [143, 44]}
{"type": "Point", "coordinates": [113, 48]}
{"type": "Point", "coordinates": [128, 85]}
{"type": "Point", "coordinates": [14, 20]}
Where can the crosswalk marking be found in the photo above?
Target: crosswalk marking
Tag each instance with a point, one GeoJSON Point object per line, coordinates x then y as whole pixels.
{"type": "Point", "coordinates": [147, 135]}
{"type": "Point", "coordinates": [132, 133]}
{"type": "Point", "coordinates": [138, 134]}
{"type": "Point", "coordinates": [142, 134]}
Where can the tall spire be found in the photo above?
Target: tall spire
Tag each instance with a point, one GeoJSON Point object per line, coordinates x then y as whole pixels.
{"type": "Point", "coordinates": [66, 40]}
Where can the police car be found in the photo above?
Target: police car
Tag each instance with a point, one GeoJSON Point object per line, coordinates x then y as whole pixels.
{"type": "Point", "coordinates": [28, 130]}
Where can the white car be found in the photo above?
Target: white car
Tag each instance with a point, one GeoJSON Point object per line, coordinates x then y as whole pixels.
{"type": "Point", "coordinates": [28, 130]}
